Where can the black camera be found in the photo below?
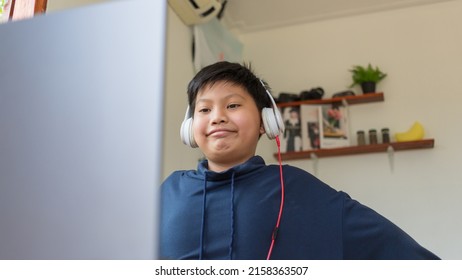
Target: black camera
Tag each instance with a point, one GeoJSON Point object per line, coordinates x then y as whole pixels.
{"type": "Point", "coordinates": [313, 94]}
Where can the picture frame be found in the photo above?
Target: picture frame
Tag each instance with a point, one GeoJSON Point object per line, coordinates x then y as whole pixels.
{"type": "Point", "coordinates": [291, 140]}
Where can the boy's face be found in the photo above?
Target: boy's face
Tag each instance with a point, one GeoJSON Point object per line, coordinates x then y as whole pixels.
{"type": "Point", "coordinates": [227, 125]}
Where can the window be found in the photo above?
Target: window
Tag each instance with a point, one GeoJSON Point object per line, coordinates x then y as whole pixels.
{"type": "Point", "coordinates": [21, 9]}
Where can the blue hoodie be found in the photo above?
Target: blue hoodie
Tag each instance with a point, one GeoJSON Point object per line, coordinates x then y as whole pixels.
{"type": "Point", "coordinates": [232, 214]}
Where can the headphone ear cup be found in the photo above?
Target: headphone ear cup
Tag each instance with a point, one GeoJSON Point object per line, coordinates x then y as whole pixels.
{"type": "Point", "coordinates": [186, 131]}
{"type": "Point", "coordinates": [272, 121]}
{"type": "Point", "coordinates": [279, 121]}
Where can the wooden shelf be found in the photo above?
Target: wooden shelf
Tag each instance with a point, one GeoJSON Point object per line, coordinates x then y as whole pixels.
{"type": "Point", "coordinates": [355, 99]}
{"type": "Point", "coordinates": [352, 150]}
{"type": "Point", "coordinates": [355, 150]}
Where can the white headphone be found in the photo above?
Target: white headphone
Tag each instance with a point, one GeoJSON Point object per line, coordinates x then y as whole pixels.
{"type": "Point", "coordinates": [186, 131]}
{"type": "Point", "coordinates": [272, 121]}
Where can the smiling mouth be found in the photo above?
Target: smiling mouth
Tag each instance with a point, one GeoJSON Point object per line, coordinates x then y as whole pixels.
{"type": "Point", "coordinates": [219, 132]}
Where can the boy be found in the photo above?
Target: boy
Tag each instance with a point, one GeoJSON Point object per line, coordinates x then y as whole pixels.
{"type": "Point", "coordinates": [229, 206]}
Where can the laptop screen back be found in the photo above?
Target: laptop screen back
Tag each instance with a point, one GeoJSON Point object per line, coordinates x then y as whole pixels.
{"type": "Point", "coordinates": [81, 98]}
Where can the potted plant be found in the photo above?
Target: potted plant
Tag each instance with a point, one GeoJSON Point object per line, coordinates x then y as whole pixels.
{"type": "Point", "coordinates": [366, 77]}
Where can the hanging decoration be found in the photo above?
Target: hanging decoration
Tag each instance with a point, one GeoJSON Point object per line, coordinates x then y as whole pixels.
{"type": "Point", "coordinates": [213, 42]}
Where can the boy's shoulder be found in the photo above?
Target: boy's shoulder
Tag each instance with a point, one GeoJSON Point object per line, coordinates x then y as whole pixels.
{"type": "Point", "coordinates": [305, 186]}
{"type": "Point", "coordinates": [176, 176]}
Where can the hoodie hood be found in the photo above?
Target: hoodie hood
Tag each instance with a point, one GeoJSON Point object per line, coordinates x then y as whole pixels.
{"type": "Point", "coordinates": [243, 169]}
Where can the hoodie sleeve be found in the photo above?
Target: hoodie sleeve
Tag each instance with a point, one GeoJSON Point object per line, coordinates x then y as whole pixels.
{"type": "Point", "coordinates": [369, 236]}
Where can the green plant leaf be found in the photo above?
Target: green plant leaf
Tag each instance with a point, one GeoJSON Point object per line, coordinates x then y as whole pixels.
{"type": "Point", "coordinates": [362, 74]}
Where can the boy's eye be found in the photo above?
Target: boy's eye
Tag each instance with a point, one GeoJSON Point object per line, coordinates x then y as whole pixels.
{"type": "Point", "coordinates": [233, 106]}
{"type": "Point", "coordinates": [204, 110]}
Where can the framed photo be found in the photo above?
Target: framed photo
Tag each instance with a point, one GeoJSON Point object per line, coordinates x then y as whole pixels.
{"type": "Point", "coordinates": [334, 126]}
{"type": "Point", "coordinates": [291, 141]}
{"type": "Point", "coordinates": [310, 127]}
{"type": "Point", "coordinates": [324, 126]}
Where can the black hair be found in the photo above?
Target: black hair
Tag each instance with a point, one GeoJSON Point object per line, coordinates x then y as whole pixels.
{"type": "Point", "coordinates": [234, 73]}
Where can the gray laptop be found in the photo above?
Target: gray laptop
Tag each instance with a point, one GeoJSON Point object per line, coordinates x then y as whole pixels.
{"type": "Point", "coordinates": [81, 95]}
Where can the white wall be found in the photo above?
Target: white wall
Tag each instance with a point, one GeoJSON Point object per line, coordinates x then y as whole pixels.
{"type": "Point", "coordinates": [56, 5]}
{"type": "Point", "coordinates": [419, 48]}
{"type": "Point", "coordinates": [179, 72]}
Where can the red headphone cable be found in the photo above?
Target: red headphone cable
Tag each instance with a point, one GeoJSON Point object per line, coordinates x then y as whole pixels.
{"type": "Point", "coordinates": [276, 228]}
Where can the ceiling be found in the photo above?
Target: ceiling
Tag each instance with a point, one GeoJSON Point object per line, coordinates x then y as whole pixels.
{"type": "Point", "coordinates": [255, 15]}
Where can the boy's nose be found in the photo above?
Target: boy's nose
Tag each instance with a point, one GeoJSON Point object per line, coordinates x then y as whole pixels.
{"type": "Point", "coordinates": [219, 116]}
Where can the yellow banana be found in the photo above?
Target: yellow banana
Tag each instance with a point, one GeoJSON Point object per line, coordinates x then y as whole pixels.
{"type": "Point", "coordinates": [416, 132]}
